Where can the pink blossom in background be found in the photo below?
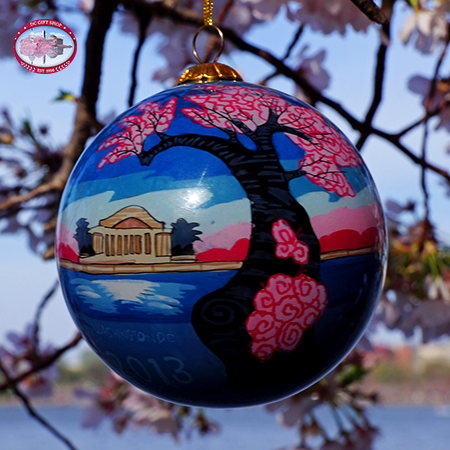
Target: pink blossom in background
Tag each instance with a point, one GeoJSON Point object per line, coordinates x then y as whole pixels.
{"type": "Point", "coordinates": [426, 27]}
{"type": "Point", "coordinates": [106, 402]}
{"type": "Point", "coordinates": [292, 410]}
{"type": "Point", "coordinates": [329, 15]}
{"type": "Point", "coordinates": [310, 67]}
{"type": "Point", "coordinates": [13, 13]}
{"type": "Point", "coordinates": [152, 412]}
{"type": "Point", "coordinates": [421, 85]}
{"type": "Point", "coordinates": [20, 356]}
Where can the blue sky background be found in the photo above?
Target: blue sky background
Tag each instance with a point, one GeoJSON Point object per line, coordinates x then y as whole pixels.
{"type": "Point", "coordinates": [25, 278]}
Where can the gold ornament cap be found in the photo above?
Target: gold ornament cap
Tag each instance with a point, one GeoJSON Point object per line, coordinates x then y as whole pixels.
{"type": "Point", "coordinates": [213, 71]}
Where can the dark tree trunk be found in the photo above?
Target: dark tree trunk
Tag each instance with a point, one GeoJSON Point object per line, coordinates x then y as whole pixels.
{"type": "Point", "coordinates": [219, 317]}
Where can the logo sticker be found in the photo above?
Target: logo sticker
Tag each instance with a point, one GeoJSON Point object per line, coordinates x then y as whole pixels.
{"type": "Point", "coordinates": [45, 46]}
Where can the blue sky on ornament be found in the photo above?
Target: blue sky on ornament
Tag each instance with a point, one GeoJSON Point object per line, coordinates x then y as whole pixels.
{"type": "Point", "coordinates": [349, 61]}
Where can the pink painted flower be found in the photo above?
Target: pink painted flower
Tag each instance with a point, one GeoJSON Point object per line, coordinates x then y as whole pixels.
{"type": "Point", "coordinates": [263, 350]}
{"type": "Point", "coordinates": [284, 309]}
{"type": "Point", "coordinates": [262, 326]}
{"type": "Point", "coordinates": [290, 336]}
{"type": "Point", "coordinates": [314, 298]}
{"type": "Point", "coordinates": [287, 243]}
{"type": "Point", "coordinates": [155, 118]}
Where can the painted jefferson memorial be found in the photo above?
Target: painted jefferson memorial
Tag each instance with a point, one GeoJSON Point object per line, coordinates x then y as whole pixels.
{"type": "Point", "coordinates": [131, 236]}
{"type": "Point", "coordinates": [132, 241]}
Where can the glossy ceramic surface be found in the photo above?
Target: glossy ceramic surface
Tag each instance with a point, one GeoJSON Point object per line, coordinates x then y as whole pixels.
{"type": "Point", "coordinates": [221, 245]}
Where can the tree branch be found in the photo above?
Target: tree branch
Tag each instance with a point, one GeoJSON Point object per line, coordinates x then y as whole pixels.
{"type": "Point", "coordinates": [32, 411]}
{"type": "Point", "coordinates": [86, 123]}
{"type": "Point", "coordinates": [287, 53]}
{"type": "Point", "coordinates": [428, 115]}
{"type": "Point", "coordinates": [41, 364]}
{"type": "Point", "coordinates": [37, 317]}
{"type": "Point", "coordinates": [428, 103]}
{"type": "Point", "coordinates": [371, 10]}
{"type": "Point", "coordinates": [143, 18]}
{"type": "Point", "coordinates": [395, 140]}
{"type": "Point", "coordinates": [377, 90]}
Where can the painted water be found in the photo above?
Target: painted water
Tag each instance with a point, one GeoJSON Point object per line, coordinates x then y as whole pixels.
{"type": "Point", "coordinates": [141, 326]}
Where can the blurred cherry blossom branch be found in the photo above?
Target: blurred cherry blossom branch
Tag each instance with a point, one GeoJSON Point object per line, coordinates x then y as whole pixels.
{"type": "Point", "coordinates": [143, 17]}
{"type": "Point", "coordinates": [32, 411]}
{"type": "Point", "coordinates": [372, 11]}
{"type": "Point", "coordinates": [286, 55]}
{"type": "Point", "coordinates": [39, 311]}
{"type": "Point", "coordinates": [377, 89]}
{"type": "Point", "coordinates": [86, 123]}
{"type": "Point", "coordinates": [428, 105]}
{"type": "Point", "coordinates": [190, 17]}
{"type": "Point", "coordinates": [27, 352]}
{"type": "Point", "coordinates": [40, 364]}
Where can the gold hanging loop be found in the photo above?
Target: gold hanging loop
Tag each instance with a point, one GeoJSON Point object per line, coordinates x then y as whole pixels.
{"type": "Point", "coordinates": [213, 71]}
{"type": "Point", "coordinates": [219, 32]}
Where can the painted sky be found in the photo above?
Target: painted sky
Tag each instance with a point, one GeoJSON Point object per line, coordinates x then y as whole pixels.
{"type": "Point", "coordinates": [190, 184]}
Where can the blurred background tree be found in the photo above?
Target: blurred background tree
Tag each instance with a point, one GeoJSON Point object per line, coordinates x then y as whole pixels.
{"type": "Point", "coordinates": [355, 59]}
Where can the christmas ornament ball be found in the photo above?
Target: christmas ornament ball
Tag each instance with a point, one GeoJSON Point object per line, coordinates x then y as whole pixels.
{"type": "Point", "coordinates": [221, 244]}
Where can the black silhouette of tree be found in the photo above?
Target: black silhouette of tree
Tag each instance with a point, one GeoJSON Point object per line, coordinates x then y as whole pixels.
{"type": "Point", "coordinates": [84, 238]}
{"type": "Point", "coordinates": [183, 237]}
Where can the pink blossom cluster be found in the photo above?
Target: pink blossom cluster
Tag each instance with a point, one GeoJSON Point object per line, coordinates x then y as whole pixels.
{"type": "Point", "coordinates": [155, 117]}
{"type": "Point", "coordinates": [284, 309]}
{"type": "Point", "coordinates": [328, 16]}
{"type": "Point", "coordinates": [288, 246]}
{"type": "Point", "coordinates": [439, 101]}
{"type": "Point", "coordinates": [13, 15]}
{"type": "Point", "coordinates": [286, 306]}
{"type": "Point", "coordinates": [427, 25]}
{"type": "Point", "coordinates": [126, 405]}
{"type": "Point", "coordinates": [243, 110]}
{"type": "Point", "coordinates": [325, 16]}
{"type": "Point", "coordinates": [21, 356]}
{"type": "Point", "coordinates": [106, 402]}
{"type": "Point", "coordinates": [310, 68]}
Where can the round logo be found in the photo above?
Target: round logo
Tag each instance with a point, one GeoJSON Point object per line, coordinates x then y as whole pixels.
{"type": "Point", "coordinates": [45, 46]}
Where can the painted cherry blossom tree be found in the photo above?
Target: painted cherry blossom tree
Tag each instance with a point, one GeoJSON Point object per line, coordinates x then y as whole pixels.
{"type": "Point", "coordinates": [35, 170]}
{"type": "Point", "coordinates": [289, 257]}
